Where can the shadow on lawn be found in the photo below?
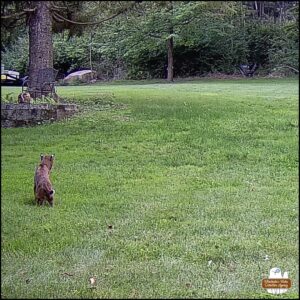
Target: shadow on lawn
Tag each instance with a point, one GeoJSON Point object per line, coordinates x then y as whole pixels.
{"type": "Point", "coordinates": [31, 202]}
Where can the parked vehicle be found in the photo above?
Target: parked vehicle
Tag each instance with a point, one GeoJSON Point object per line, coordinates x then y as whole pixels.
{"type": "Point", "coordinates": [10, 77]}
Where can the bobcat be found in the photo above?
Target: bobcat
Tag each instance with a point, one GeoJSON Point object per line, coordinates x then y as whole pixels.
{"type": "Point", "coordinates": [42, 186]}
{"type": "Point", "coordinates": [24, 97]}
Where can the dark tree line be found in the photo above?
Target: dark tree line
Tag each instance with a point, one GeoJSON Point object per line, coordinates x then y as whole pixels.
{"type": "Point", "coordinates": [146, 39]}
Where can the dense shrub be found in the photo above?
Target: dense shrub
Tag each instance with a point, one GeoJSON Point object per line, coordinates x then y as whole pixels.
{"type": "Point", "coordinates": [16, 56]}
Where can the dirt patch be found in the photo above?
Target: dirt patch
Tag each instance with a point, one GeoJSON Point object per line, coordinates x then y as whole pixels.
{"type": "Point", "coordinates": [218, 75]}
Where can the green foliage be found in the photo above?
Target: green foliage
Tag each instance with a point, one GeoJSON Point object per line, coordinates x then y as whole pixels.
{"type": "Point", "coordinates": [8, 98]}
{"type": "Point", "coordinates": [285, 46]}
{"type": "Point", "coordinates": [15, 56]}
{"type": "Point", "coordinates": [11, 28]}
{"type": "Point", "coordinates": [284, 51]}
{"type": "Point", "coordinates": [208, 37]}
{"type": "Point", "coordinates": [70, 53]}
{"type": "Point", "coordinates": [260, 40]}
{"type": "Point", "coordinates": [44, 99]}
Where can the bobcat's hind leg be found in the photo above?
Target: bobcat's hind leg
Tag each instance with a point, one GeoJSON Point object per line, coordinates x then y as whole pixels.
{"type": "Point", "coordinates": [51, 202]}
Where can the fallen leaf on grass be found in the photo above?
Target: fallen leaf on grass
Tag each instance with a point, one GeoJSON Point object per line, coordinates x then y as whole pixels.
{"type": "Point", "coordinates": [92, 280]}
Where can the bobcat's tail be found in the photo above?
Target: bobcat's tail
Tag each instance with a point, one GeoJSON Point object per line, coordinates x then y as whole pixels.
{"type": "Point", "coordinates": [51, 193]}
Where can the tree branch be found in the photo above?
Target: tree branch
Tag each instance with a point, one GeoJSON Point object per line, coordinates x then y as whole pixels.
{"type": "Point", "coordinates": [56, 18]}
{"type": "Point", "coordinates": [53, 6]}
{"type": "Point", "coordinates": [19, 14]}
{"type": "Point", "coordinates": [93, 23]}
{"type": "Point", "coordinates": [30, 9]}
{"type": "Point", "coordinates": [154, 36]}
{"type": "Point", "coordinates": [289, 67]}
{"type": "Point", "coordinates": [14, 15]}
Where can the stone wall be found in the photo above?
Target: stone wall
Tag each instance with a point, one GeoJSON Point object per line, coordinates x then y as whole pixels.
{"type": "Point", "coordinates": [17, 115]}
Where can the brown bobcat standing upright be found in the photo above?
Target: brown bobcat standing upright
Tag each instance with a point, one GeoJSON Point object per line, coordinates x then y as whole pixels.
{"type": "Point", "coordinates": [42, 186]}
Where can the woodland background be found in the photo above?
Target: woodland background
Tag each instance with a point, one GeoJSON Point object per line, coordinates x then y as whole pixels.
{"type": "Point", "coordinates": [207, 36]}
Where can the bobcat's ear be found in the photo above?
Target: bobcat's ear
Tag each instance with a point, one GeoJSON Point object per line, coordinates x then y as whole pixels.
{"type": "Point", "coordinates": [52, 157]}
{"type": "Point", "coordinates": [42, 156]}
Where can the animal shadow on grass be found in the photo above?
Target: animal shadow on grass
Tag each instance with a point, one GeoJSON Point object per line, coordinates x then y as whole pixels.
{"type": "Point", "coordinates": [32, 202]}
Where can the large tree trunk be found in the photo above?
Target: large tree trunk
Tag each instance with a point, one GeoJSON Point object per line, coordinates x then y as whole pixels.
{"type": "Point", "coordinates": [40, 45]}
{"type": "Point", "coordinates": [170, 44]}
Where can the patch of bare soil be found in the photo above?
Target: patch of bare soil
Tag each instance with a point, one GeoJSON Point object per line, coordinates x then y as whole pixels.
{"type": "Point", "coordinates": [218, 75]}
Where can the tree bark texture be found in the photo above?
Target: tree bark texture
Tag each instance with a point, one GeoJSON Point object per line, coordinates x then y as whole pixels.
{"type": "Point", "coordinates": [170, 44]}
{"type": "Point", "coordinates": [41, 47]}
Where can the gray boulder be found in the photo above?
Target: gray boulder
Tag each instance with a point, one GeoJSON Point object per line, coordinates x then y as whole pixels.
{"type": "Point", "coordinates": [83, 76]}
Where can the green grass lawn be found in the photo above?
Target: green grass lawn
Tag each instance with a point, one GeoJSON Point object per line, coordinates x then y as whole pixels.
{"type": "Point", "coordinates": [180, 192]}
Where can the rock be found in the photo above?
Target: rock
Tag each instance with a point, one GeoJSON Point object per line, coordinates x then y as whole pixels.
{"type": "Point", "coordinates": [16, 115]}
{"type": "Point", "coordinates": [83, 76]}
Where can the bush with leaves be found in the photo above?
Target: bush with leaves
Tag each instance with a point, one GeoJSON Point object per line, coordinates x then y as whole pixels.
{"type": "Point", "coordinates": [70, 53]}
{"type": "Point", "coordinates": [208, 37]}
{"type": "Point", "coordinates": [284, 51]}
{"type": "Point", "coordinates": [15, 56]}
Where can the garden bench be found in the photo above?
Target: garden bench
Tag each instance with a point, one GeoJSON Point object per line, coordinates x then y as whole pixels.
{"type": "Point", "coordinates": [44, 83]}
{"type": "Point", "coordinates": [248, 70]}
